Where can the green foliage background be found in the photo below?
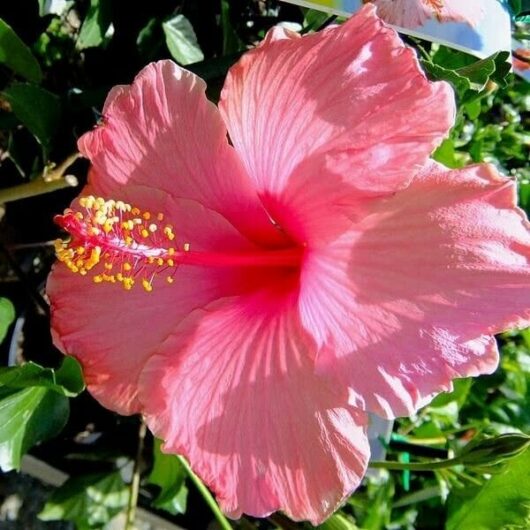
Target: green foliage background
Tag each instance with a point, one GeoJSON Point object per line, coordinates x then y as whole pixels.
{"type": "Point", "coordinates": [452, 466]}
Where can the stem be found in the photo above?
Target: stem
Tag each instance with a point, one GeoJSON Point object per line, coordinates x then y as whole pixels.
{"type": "Point", "coordinates": [50, 180]}
{"type": "Point", "coordinates": [416, 466]}
{"type": "Point", "coordinates": [135, 482]}
{"type": "Point", "coordinates": [206, 495]}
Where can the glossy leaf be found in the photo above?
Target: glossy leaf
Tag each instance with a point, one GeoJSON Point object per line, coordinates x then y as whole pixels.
{"type": "Point", "coordinates": [89, 501]}
{"type": "Point", "coordinates": [502, 502]}
{"type": "Point", "coordinates": [95, 25]}
{"type": "Point", "coordinates": [7, 316]}
{"type": "Point", "coordinates": [169, 475]}
{"type": "Point", "coordinates": [182, 41]}
{"type": "Point", "coordinates": [17, 56]}
{"type": "Point", "coordinates": [52, 7]}
{"type": "Point", "coordinates": [66, 381]}
{"type": "Point", "coordinates": [37, 109]}
{"type": "Point", "coordinates": [28, 416]}
{"type": "Point", "coordinates": [465, 73]}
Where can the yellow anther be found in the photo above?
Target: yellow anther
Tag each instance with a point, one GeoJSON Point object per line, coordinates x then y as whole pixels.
{"type": "Point", "coordinates": [135, 211]}
{"type": "Point", "coordinates": [107, 227]}
{"type": "Point", "coordinates": [146, 215]}
{"type": "Point", "coordinates": [98, 278]}
{"type": "Point", "coordinates": [127, 266]}
{"type": "Point", "coordinates": [170, 279]}
{"type": "Point", "coordinates": [170, 262]}
{"type": "Point", "coordinates": [129, 241]}
{"type": "Point", "coordinates": [80, 250]}
{"type": "Point", "coordinates": [108, 266]}
{"type": "Point", "coordinates": [128, 283]}
{"type": "Point", "coordinates": [152, 227]}
{"type": "Point", "coordinates": [160, 216]}
{"type": "Point", "coordinates": [150, 259]}
{"type": "Point", "coordinates": [79, 263]}
{"type": "Point", "coordinates": [79, 216]}
{"type": "Point", "coordinates": [147, 285]}
{"type": "Point", "coordinates": [186, 247]}
{"type": "Point", "coordinates": [144, 232]}
{"type": "Point", "coordinates": [171, 251]}
{"type": "Point", "coordinates": [95, 231]}
{"type": "Point", "coordinates": [119, 277]}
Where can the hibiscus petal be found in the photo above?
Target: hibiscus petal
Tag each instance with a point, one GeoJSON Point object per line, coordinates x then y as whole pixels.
{"type": "Point", "coordinates": [353, 94]}
{"type": "Point", "coordinates": [413, 13]}
{"type": "Point", "coordinates": [433, 272]}
{"type": "Point", "coordinates": [112, 331]}
{"type": "Point", "coordinates": [162, 132]}
{"type": "Point", "coordinates": [234, 390]}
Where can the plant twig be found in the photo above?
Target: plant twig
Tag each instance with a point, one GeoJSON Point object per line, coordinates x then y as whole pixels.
{"type": "Point", "coordinates": [135, 482]}
{"type": "Point", "coordinates": [50, 180]}
{"type": "Point", "coordinates": [416, 466]}
{"type": "Point", "coordinates": [206, 495]}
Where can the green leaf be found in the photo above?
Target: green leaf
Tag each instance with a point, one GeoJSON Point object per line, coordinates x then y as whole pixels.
{"type": "Point", "coordinates": [231, 42]}
{"type": "Point", "coordinates": [95, 24]}
{"type": "Point", "coordinates": [52, 7]}
{"type": "Point", "coordinates": [66, 381]}
{"type": "Point", "coordinates": [182, 41]}
{"type": "Point", "coordinates": [459, 394]}
{"type": "Point", "coordinates": [338, 521]}
{"type": "Point", "coordinates": [168, 474]}
{"type": "Point", "coordinates": [465, 73]}
{"type": "Point", "coordinates": [502, 502]}
{"type": "Point", "coordinates": [28, 416]}
{"type": "Point", "coordinates": [17, 56]}
{"type": "Point", "coordinates": [34, 406]}
{"type": "Point", "coordinates": [7, 316]}
{"type": "Point", "coordinates": [313, 19]}
{"type": "Point", "coordinates": [38, 109]}
{"type": "Point", "coordinates": [89, 501]}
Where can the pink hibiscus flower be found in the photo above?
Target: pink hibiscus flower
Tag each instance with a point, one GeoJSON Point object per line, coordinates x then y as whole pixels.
{"type": "Point", "coordinates": [413, 13]}
{"type": "Point", "coordinates": [318, 267]}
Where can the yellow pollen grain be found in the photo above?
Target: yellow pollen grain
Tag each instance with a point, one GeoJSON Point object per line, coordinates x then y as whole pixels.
{"type": "Point", "coordinates": [97, 279]}
{"type": "Point", "coordinates": [147, 285]}
{"type": "Point", "coordinates": [170, 262]}
{"type": "Point", "coordinates": [128, 283]}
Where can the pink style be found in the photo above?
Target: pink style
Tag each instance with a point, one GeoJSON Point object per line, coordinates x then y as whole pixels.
{"type": "Point", "coordinates": [315, 268]}
{"type": "Point", "coordinates": [414, 13]}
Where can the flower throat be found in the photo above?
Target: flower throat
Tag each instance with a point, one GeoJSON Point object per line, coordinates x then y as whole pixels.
{"type": "Point", "coordinates": [115, 242]}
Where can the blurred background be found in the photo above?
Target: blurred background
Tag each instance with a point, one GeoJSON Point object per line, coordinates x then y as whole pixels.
{"type": "Point", "coordinates": [58, 60]}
